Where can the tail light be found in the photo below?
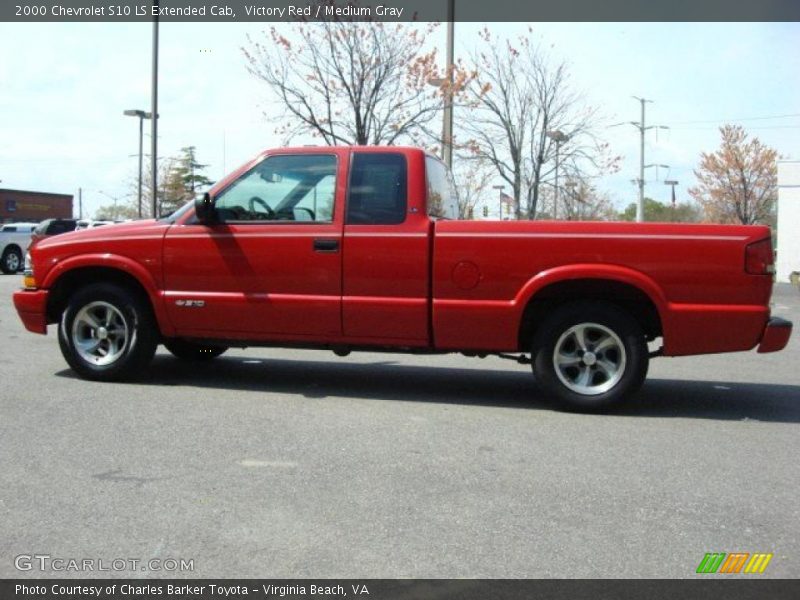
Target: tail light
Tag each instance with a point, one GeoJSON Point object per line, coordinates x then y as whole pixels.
{"type": "Point", "coordinates": [759, 258]}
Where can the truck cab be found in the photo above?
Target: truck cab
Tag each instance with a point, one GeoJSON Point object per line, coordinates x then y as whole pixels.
{"type": "Point", "coordinates": [331, 245]}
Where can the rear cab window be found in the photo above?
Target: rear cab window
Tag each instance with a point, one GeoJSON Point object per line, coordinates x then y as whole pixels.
{"type": "Point", "coordinates": [442, 198]}
{"type": "Point", "coordinates": [378, 193]}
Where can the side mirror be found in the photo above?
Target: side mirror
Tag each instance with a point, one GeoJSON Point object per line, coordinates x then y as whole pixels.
{"type": "Point", "coordinates": [204, 209]}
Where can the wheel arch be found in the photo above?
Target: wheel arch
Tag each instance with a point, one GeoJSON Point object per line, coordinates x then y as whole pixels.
{"type": "Point", "coordinates": [631, 290]}
{"type": "Point", "coordinates": [69, 276]}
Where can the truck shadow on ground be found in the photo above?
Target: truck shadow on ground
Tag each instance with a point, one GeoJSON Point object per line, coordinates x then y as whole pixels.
{"type": "Point", "coordinates": [388, 380]}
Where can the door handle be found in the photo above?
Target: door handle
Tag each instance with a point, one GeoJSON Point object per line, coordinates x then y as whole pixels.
{"type": "Point", "coordinates": [326, 245]}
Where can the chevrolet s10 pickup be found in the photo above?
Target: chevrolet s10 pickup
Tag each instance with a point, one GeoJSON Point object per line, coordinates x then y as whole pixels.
{"type": "Point", "coordinates": [356, 248]}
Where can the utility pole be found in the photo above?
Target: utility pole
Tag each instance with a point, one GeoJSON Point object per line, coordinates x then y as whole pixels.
{"type": "Point", "coordinates": [154, 113]}
{"type": "Point", "coordinates": [642, 129]}
{"type": "Point", "coordinates": [448, 107]}
{"type": "Point", "coordinates": [80, 203]}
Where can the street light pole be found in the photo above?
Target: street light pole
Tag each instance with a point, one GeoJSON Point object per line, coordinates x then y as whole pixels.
{"type": "Point", "coordinates": [139, 190]}
{"type": "Point", "coordinates": [500, 189]}
{"type": "Point", "coordinates": [142, 116]}
{"type": "Point", "coordinates": [559, 137]}
{"type": "Point", "coordinates": [571, 185]}
{"type": "Point", "coordinates": [672, 183]}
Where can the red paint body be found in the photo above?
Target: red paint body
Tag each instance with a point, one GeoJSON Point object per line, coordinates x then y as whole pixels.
{"type": "Point", "coordinates": [423, 284]}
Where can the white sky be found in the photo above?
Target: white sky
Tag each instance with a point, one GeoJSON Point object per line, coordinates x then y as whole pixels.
{"type": "Point", "coordinates": [64, 87]}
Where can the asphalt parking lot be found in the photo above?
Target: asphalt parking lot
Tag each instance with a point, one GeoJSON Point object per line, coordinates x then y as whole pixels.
{"type": "Point", "coordinates": [275, 463]}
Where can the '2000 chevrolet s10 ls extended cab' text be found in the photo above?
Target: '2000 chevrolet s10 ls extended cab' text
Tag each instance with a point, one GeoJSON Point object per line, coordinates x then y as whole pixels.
{"type": "Point", "coordinates": [351, 248]}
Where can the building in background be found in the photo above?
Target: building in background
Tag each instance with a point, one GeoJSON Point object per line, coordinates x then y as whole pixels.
{"type": "Point", "coordinates": [788, 244]}
{"type": "Point", "coordinates": [21, 205]}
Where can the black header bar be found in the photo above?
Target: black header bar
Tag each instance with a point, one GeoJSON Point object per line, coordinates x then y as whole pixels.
{"type": "Point", "coordinates": [709, 588]}
{"type": "Point", "coordinates": [241, 11]}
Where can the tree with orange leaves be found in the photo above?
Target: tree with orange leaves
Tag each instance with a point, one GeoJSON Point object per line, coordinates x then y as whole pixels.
{"type": "Point", "coordinates": [739, 182]}
{"type": "Point", "coordinates": [351, 82]}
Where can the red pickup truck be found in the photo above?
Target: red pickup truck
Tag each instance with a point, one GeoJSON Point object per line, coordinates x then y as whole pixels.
{"type": "Point", "coordinates": [351, 248]}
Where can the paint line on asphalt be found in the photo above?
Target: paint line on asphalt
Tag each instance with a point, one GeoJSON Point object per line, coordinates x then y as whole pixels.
{"type": "Point", "coordinates": [278, 464]}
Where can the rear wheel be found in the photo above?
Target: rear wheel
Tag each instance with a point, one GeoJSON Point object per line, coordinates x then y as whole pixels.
{"type": "Point", "coordinates": [107, 333]}
{"type": "Point", "coordinates": [187, 350]}
{"type": "Point", "coordinates": [11, 260]}
{"type": "Point", "coordinates": [590, 356]}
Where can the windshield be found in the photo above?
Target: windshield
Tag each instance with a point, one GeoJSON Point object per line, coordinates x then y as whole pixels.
{"type": "Point", "coordinates": [177, 214]}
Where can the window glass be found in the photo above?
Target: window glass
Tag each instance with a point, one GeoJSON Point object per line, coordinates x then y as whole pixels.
{"type": "Point", "coordinates": [282, 188]}
{"type": "Point", "coordinates": [442, 198]}
{"type": "Point", "coordinates": [378, 189]}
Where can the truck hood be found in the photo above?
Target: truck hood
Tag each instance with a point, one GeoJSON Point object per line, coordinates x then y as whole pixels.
{"type": "Point", "coordinates": [117, 231]}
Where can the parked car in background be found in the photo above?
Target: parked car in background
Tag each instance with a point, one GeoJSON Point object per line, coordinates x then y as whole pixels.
{"type": "Point", "coordinates": [90, 223]}
{"type": "Point", "coordinates": [14, 241]}
{"type": "Point", "coordinates": [50, 227]}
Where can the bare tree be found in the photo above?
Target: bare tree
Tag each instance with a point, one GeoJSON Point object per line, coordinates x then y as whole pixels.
{"type": "Point", "coordinates": [350, 82]}
{"type": "Point", "coordinates": [127, 207]}
{"type": "Point", "coordinates": [580, 201]}
{"type": "Point", "coordinates": [739, 182]}
{"type": "Point", "coordinates": [518, 94]}
{"type": "Point", "coordinates": [165, 166]}
{"type": "Point", "coordinates": [472, 179]}
{"type": "Point", "coordinates": [124, 208]}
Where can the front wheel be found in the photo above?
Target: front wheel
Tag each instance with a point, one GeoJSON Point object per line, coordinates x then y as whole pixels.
{"type": "Point", "coordinates": [187, 350]}
{"type": "Point", "coordinates": [590, 356]}
{"type": "Point", "coordinates": [107, 333]}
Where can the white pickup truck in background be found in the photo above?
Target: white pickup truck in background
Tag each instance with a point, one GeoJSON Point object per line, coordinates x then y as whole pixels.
{"type": "Point", "coordinates": [14, 241]}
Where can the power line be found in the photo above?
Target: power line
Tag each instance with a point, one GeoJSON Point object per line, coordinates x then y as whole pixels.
{"type": "Point", "coordinates": [749, 128]}
{"type": "Point", "coordinates": [788, 116]}
{"type": "Point", "coordinates": [62, 159]}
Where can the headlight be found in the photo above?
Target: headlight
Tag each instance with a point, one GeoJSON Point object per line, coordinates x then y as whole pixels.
{"type": "Point", "coordinates": [29, 281]}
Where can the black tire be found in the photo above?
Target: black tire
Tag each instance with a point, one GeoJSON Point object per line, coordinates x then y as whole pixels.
{"type": "Point", "coordinates": [127, 353]}
{"type": "Point", "coordinates": [11, 261]}
{"type": "Point", "coordinates": [187, 350]}
{"type": "Point", "coordinates": [596, 381]}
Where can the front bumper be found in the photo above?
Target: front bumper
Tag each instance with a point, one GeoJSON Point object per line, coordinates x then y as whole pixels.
{"type": "Point", "coordinates": [776, 335]}
{"type": "Point", "coordinates": [31, 306]}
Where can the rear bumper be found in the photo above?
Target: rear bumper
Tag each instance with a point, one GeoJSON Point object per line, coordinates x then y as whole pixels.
{"type": "Point", "coordinates": [31, 306]}
{"type": "Point", "coordinates": [776, 335]}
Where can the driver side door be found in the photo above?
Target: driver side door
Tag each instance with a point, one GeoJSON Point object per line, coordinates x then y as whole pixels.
{"type": "Point", "coordinates": [270, 268]}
